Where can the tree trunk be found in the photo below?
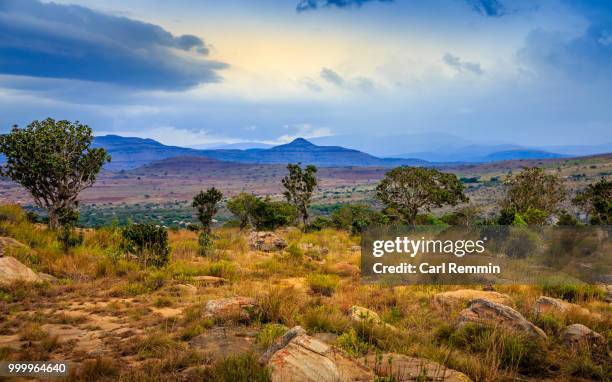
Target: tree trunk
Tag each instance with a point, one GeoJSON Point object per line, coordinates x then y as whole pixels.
{"type": "Point", "coordinates": [53, 218]}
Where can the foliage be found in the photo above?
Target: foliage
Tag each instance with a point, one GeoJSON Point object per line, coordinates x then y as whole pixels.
{"type": "Point", "coordinates": [566, 219]}
{"type": "Point", "coordinates": [206, 207]}
{"type": "Point", "coordinates": [409, 189]}
{"type": "Point", "coordinates": [351, 343]}
{"type": "Point", "coordinates": [597, 200]}
{"type": "Point", "coordinates": [54, 161]}
{"type": "Point", "coordinates": [205, 244]}
{"type": "Point", "coordinates": [356, 218]}
{"type": "Point", "coordinates": [243, 206]}
{"type": "Point", "coordinates": [269, 333]}
{"type": "Point", "coordinates": [270, 215]}
{"type": "Point", "coordinates": [533, 188]}
{"type": "Point", "coordinates": [299, 185]}
{"type": "Point", "coordinates": [149, 242]}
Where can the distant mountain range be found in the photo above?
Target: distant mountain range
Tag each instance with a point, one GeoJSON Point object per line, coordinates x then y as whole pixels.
{"type": "Point", "coordinates": [129, 153]}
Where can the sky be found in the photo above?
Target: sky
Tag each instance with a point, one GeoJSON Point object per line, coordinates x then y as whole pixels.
{"type": "Point", "coordinates": [199, 72]}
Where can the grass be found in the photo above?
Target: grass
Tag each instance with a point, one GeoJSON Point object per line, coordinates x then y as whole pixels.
{"type": "Point", "coordinates": [323, 284]}
{"type": "Point", "coordinates": [293, 287]}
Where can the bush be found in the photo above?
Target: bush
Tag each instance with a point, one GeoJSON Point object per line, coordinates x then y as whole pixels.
{"type": "Point", "coordinates": [244, 368]}
{"type": "Point", "coordinates": [351, 343]}
{"type": "Point", "coordinates": [269, 333]}
{"type": "Point", "coordinates": [356, 218]}
{"type": "Point", "coordinates": [149, 242]}
{"type": "Point", "coordinates": [323, 284]}
{"type": "Point", "coordinates": [270, 215]}
{"type": "Point", "coordinates": [205, 244]}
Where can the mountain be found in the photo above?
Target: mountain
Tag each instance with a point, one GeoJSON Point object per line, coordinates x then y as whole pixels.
{"type": "Point", "coordinates": [130, 152]}
{"type": "Point", "coordinates": [483, 153]}
{"type": "Point", "coordinates": [521, 154]}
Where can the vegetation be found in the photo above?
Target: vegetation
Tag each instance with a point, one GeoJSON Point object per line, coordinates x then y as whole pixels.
{"type": "Point", "coordinates": [148, 242]}
{"type": "Point", "coordinates": [244, 207]}
{"type": "Point", "coordinates": [206, 207]}
{"type": "Point", "coordinates": [408, 190]}
{"type": "Point", "coordinates": [533, 194]}
{"type": "Point", "coordinates": [299, 185]}
{"type": "Point", "coordinates": [596, 199]}
{"type": "Point", "coordinates": [54, 161]}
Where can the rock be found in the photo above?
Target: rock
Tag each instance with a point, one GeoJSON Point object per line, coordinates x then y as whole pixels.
{"type": "Point", "coordinates": [484, 312]}
{"type": "Point", "coordinates": [210, 280]}
{"type": "Point", "coordinates": [315, 252]}
{"type": "Point", "coordinates": [456, 298]}
{"type": "Point", "coordinates": [47, 277]}
{"type": "Point", "coordinates": [403, 368]}
{"type": "Point", "coordinates": [578, 334]}
{"type": "Point", "coordinates": [185, 289]}
{"type": "Point", "coordinates": [299, 357]}
{"type": "Point", "coordinates": [549, 305]}
{"type": "Point", "coordinates": [6, 242]}
{"type": "Point", "coordinates": [360, 314]}
{"type": "Point", "coordinates": [11, 270]}
{"type": "Point", "coordinates": [328, 338]}
{"type": "Point", "coordinates": [221, 342]}
{"type": "Point", "coordinates": [233, 308]}
{"type": "Point", "coordinates": [266, 241]}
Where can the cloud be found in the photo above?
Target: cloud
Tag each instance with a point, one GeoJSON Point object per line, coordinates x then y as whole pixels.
{"type": "Point", "coordinates": [462, 66]}
{"type": "Point", "coordinates": [307, 5]}
{"type": "Point", "coordinates": [73, 42]}
{"type": "Point", "coordinates": [332, 77]}
{"type": "Point", "coordinates": [491, 8]}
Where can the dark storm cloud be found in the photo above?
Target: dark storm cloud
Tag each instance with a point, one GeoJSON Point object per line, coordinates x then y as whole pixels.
{"type": "Point", "coordinates": [73, 42]}
{"type": "Point", "coordinates": [491, 8]}
{"type": "Point", "coordinates": [305, 5]}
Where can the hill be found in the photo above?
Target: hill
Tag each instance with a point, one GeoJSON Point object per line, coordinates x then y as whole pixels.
{"type": "Point", "coordinates": [130, 153]}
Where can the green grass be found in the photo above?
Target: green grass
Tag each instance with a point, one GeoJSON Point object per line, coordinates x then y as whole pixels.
{"type": "Point", "coordinates": [323, 284]}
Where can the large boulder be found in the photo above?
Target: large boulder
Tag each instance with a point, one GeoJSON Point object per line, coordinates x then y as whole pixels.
{"type": "Point", "coordinates": [458, 298]}
{"type": "Point", "coordinates": [580, 335]}
{"type": "Point", "coordinates": [549, 305]}
{"type": "Point", "coordinates": [402, 368]}
{"type": "Point", "coordinates": [236, 308]}
{"type": "Point", "coordinates": [484, 312]}
{"type": "Point", "coordinates": [299, 357]}
{"type": "Point", "coordinates": [11, 270]}
{"type": "Point", "coordinates": [266, 241]}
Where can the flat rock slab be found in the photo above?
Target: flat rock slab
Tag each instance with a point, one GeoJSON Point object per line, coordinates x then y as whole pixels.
{"type": "Point", "coordinates": [232, 308]}
{"type": "Point", "coordinates": [457, 298]}
{"type": "Point", "coordinates": [484, 312]}
{"type": "Point", "coordinates": [220, 342]}
{"type": "Point", "coordinates": [11, 270]}
{"type": "Point", "coordinates": [299, 357]}
{"type": "Point", "coordinates": [403, 368]}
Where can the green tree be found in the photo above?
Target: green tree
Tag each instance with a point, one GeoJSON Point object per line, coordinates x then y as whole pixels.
{"type": "Point", "coordinates": [596, 199]}
{"type": "Point", "coordinates": [270, 215]}
{"type": "Point", "coordinates": [54, 161]}
{"type": "Point", "coordinates": [299, 185]}
{"type": "Point", "coordinates": [206, 206]}
{"type": "Point", "coordinates": [410, 189]}
{"type": "Point", "coordinates": [243, 206]}
{"type": "Point", "coordinates": [534, 189]}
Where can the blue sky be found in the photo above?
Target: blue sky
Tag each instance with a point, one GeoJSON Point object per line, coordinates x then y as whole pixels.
{"type": "Point", "coordinates": [197, 72]}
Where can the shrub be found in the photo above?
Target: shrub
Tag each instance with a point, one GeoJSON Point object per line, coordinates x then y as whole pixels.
{"type": "Point", "coordinates": [205, 244]}
{"type": "Point", "coordinates": [323, 284]}
{"type": "Point", "coordinates": [295, 253]}
{"type": "Point", "coordinates": [149, 242]}
{"type": "Point", "coordinates": [325, 319]}
{"type": "Point", "coordinates": [269, 333]}
{"type": "Point", "coordinates": [271, 215]}
{"type": "Point", "coordinates": [279, 305]}
{"type": "Point", "coordinates": [244, 368]}
{"type": "Point", "coordinates": [352, 343]}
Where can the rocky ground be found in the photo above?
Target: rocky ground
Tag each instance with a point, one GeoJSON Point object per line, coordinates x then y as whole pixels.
{"type": "Point", "coordinates": [284, 306]}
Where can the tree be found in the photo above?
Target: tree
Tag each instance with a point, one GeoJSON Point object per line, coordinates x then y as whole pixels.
{"type": "Point", "coordinates": [269, 215]}
{"type": "Point", "coordinates": [597, 200]}
{"type": "Point", "coordinates": [299, 185]}
{"type": "Point", "coordinates": [534, 189]}
{"type": "Point", "coordinates": [206, 207]}
{"type": "Point", "coordinates": [243, 206]}
{"type": "Point", "coordinates": [410, 189]}
{"type": "Point", "coordinates": [54, 161]}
